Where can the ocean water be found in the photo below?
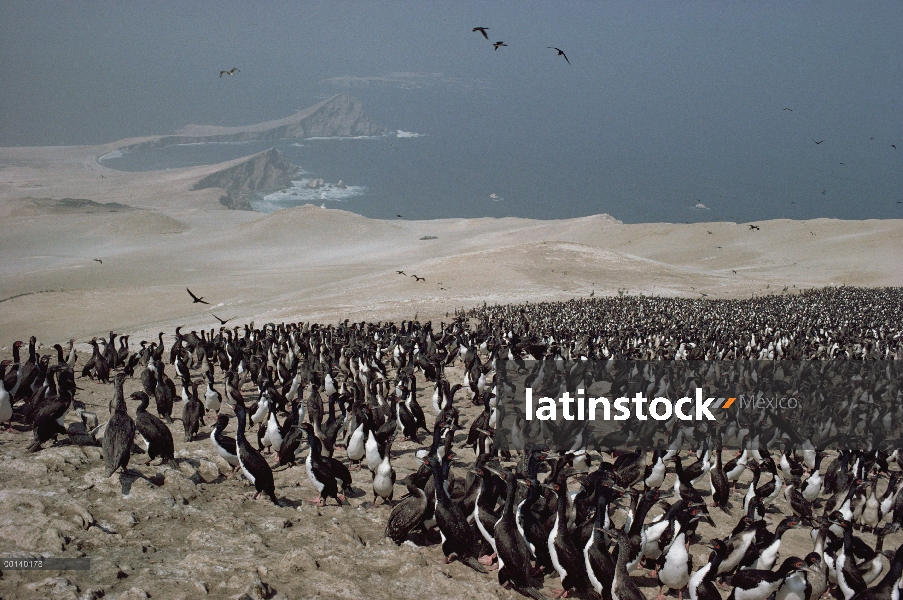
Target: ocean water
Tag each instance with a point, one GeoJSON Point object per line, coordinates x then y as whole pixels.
{"type": "Point", "coordinates": [482, 153]}
{"type": "Point", "coordinates": [383, 176]}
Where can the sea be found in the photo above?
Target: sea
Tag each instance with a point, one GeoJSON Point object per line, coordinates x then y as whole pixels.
{"type": "Point", "coordinates": [473, 156]}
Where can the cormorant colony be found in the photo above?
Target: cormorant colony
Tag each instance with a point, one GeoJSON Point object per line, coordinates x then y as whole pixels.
{"type": "Point", "coordinates": [332, 400]}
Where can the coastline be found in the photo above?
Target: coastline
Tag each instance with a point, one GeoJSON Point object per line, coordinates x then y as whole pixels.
{"type": "Point", "coordinates": [308, 262]}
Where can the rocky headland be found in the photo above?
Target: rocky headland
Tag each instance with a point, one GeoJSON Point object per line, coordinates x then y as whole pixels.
{"type": "Point", "coordinates": [262, 172]}
{"type": "Point", "coordinates": [339, 116]}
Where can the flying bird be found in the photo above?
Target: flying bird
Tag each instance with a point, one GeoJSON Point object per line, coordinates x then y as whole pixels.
{"type": "Point", "coordinates": [498, 45]}
{"type": "Point", "coordinates": [195, 298]}
{"type": "Point", "coordinates": [482, 30]}
{"type": "Point", "coordinates": [892, 146]}
{"type": "Point", "coordinates": [419, 278]}
{"type": "Point", "coordinates": [230, 72]}
{"type": "Point", "coordinates": [560, 53]}
{"type": "Point", "coordinates": [401, 272]}
{"type": "Point", "coordinates": [221, 321]}
{"type": "Point", "coordinates": [98, 260]}
{"type": "Point", "coordinates": [790, 109]}
{"type": "Point", "coordinates": [756, 227]}
{"type": "Point", "coordinates": [817, 142]}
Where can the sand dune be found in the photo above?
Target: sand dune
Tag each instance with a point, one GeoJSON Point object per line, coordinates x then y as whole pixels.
{"type": "Point", "coordinates": [311, 222]}
{"type": "Point", "coordinates": [314, 263]}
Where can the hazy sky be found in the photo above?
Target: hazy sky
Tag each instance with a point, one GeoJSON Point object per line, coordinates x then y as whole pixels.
{"type": "Point", "coordinates": [673, 101]}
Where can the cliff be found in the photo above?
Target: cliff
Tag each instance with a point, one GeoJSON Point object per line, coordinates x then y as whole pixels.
{"type": "Point", "coordinates": [339, 116]}
{"type": "Point", "coordinates": [262, 172]}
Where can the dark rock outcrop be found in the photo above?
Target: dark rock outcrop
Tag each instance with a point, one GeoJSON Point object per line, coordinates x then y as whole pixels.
{"type": "Point", "coordinates": [339, 116]}
{"type": "Point", "coordinates": [262, 172]}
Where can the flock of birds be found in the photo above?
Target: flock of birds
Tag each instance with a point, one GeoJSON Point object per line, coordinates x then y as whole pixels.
{"type": "Point", "coordinates": [559, 52]}
{"type": "Point", "coordinates": [497, 45]}
{"type": "Point", "coordinates": [481, 30]}
{"type": "Point", "coordinates": [529, 503]}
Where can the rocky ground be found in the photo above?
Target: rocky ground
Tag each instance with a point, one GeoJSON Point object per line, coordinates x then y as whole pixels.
{"type": "Point", "coordinates": [189, 532]}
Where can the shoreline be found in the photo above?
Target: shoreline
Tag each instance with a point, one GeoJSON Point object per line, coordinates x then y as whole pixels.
{"type": "Point", "coordinates": [163, 237]}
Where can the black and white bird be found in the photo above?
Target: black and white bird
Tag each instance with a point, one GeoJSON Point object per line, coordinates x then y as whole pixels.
{"type": "Point", "coordinates": [253, 465]}
{"type": "Point", "coordinates": [511, 546]}
{"type": "Point", "coordinates": [225, 446]}
{"type": "Point", "coordinates": [755, 584]}
{"type": "Point", "coordinates": [457, 536]}
{"type": "Point", "coordinates": [702, 583]}
{"type": "Point", "coordinates": [325, 472]}
{"type": "Point", "coordinates": [384, 476]}
{"type": "Point", "coordinates": [678, 562]}
{"type": "Point", "coordinates": [212, 398]}
{"type": "Point", "coordinates": [566, 557]}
